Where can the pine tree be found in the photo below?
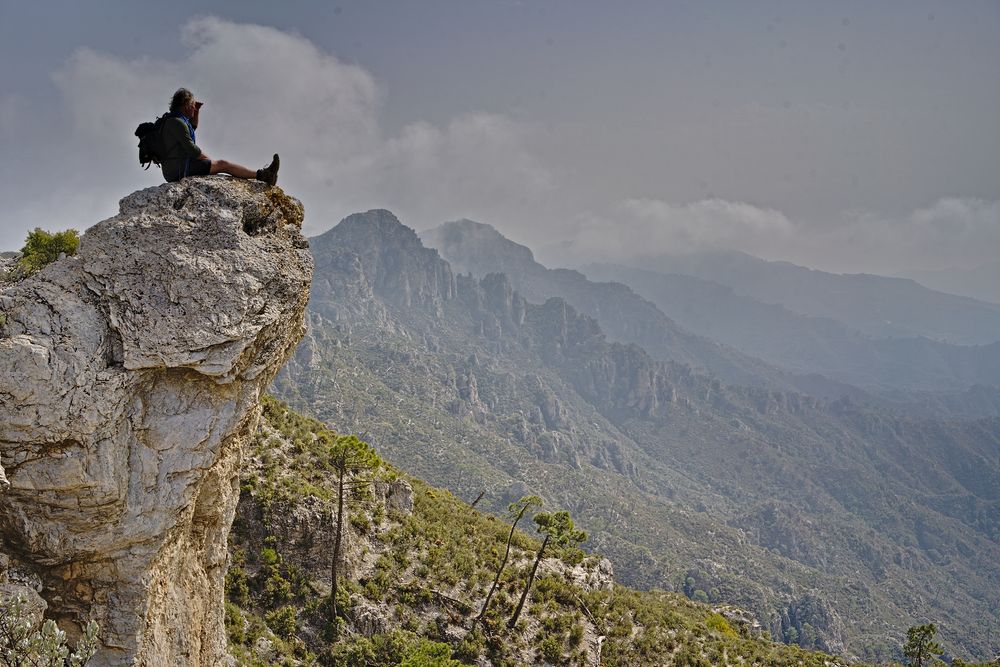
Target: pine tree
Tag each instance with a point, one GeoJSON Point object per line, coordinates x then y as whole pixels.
{"type": "Point", "coordinates": [920, 647]}
{"type": "Point", "coordinates": [517, 511]}
{"type": "Point", "coordinates": [558, 528]}
{"type": "Point", "coordinates": [348, 457]}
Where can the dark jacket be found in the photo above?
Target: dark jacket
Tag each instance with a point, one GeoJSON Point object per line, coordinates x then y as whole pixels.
{"type": "Point", "coordinates": [179, 147]}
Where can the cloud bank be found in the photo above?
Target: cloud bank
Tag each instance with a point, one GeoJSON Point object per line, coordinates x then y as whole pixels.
{"type": "Point", "coordinates": [269, 91]}
{"type": "Point", "coordinates": [950, 233]}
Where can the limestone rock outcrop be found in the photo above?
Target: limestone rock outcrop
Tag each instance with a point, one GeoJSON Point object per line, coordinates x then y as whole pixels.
{"type": "Point", "coordinates": [131, 383]}
{"type": "Point", "coordinates": [389, 257]}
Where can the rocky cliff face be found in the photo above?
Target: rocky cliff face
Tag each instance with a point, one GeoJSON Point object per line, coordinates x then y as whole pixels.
{"type": "Point", "coordinates": [772, 501]}
{"type": "Point", "coordinates": [390, 257]}
{"type": "Point", "coordinates": [621, 313]}
{"type": "Point", "coordinates": [132, 377]}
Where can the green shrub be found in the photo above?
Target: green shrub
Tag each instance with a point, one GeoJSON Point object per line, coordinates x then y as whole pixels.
{"type": "Point", "coordinates": [471, 646]}
{"type": "Point", "coordinates": [718, 623]}
{"type": "Point", "coordinates": [283, 621]}
{"type": "Point", "coordinates": [235, 624]}
{"type": "Point", "coordinates": [395, 648]}
{"type": "Point", "coordinates": [277, 590]}
{"type": "Point", "coordinates": [429, 654]}
{"type": "Point", "coordinates": [237, 587]}
{"type": "Point", "coordinates": [22, 644]}
{"type": "Point", "coordinates": [550, 649]}
{"type": "Point", "coordinates": [42, 248]}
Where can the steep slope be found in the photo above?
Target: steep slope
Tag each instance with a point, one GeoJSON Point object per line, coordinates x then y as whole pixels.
{"type": "Point", "coordinates": [472, 247]}
{"type": "Point", "coordinates": [132, 374]}
{"type": "Point", "coordinates": [874, 305]}
{"type": "Point", "coordinates": [418, 565]}
{"type": "Point", "coordinates": [809, 344]}
{"type": "Point", "coordinates": [837, 525]}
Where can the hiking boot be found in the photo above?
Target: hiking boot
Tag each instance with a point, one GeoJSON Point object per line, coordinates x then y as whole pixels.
{"type": "Point", "coordinates": [269, 174]}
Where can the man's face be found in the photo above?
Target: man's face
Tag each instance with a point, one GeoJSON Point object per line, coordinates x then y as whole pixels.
{"type": "Point", "coordinates": [190, 109]}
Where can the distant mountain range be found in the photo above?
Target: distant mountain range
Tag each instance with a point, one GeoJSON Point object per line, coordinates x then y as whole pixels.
{"type": "Point", "coordinates": [872, 305]}
{"type": "Point", "coordinates": [714, 327]}
{"type": "Point", "coordinates": [834, 520]}
{"type": "Point", "coordinates": [810, 344]}
{"type": "Point", "coordinates": [981, 282]}
{"type": "Point", "coordinates": [624, 316]}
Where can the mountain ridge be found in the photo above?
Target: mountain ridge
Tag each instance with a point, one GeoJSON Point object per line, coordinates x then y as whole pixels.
{"type": "Point", "coordinates": [624, 315]}
{"type": "Point", "coordinates": [879, 306]}
{"type": "Point", "coordinates": [810, 354]}
{"type": "Point", "coordinates": [487, 390]}
{"type": "Point", "coordinates": [816, 344]}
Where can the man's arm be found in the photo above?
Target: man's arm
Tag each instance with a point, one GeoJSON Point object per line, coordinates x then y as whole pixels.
{"type": "Point", "coordinates": [186, 147]}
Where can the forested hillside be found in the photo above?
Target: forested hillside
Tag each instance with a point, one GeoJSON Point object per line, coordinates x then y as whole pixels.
{"type": "Point", "coordinates": [417, 567]}
{"type": "Point", "coordinates": [838, 526]}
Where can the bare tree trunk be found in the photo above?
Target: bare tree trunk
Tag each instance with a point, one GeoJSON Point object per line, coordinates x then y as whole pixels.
{"type": "Point", "coordinates": [503, 564]}
{"type": "Point", "coordinates": [531, 579]}
{"type": "Point", "coordinates": [336, 551]}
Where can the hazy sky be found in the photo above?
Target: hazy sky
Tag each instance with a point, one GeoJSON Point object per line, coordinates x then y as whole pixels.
{"type": "Point", "coordinates": [842, 135]}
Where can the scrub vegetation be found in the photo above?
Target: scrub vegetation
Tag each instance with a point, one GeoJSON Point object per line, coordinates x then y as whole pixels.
{"type": "Point", "coordinates": [418, 566]}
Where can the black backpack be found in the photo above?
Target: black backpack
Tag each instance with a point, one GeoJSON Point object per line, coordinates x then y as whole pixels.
{"type": "Point", "coordinates": [151, 147]}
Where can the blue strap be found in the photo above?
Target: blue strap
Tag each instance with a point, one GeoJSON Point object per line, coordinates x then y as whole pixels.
{"type": "Point", "coordinates": [187, 121]}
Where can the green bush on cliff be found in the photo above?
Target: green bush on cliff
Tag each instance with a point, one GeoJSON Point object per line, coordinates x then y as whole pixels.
{"type": "Point", "coordinates": [42, 248]}
{"type": "Point", "coordinates": [23, 644]}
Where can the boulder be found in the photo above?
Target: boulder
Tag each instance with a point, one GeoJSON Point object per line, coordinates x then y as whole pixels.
{"type": "Point", "coordinates": [132, 379]}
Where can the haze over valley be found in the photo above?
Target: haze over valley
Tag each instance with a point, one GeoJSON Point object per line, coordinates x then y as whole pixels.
{"type": "Point", "coordinates": [570, 333]}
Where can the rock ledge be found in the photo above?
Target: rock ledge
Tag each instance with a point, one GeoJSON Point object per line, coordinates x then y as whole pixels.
{"type": "Point", "coordinates": [131, 383]}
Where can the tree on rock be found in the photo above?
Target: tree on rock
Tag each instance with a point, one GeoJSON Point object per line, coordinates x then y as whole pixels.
{"type": "Point", "coordinates": [920, 648]}
{"type": "Point", "coordinates": [558, 528]}
{"type": "Point", "coordinates": [517, 511]}
{"type": "Point", "coordinates": [42, 247]}
{"type": "Point", "coordinates": [348, 457]}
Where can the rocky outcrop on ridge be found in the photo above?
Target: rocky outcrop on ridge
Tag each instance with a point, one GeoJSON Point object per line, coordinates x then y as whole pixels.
{"type": "Point", "coordinates": [391, 259]}
{"type": "Point", "coordinates": [621, 313]}
{"type": "Point", "coordinates": [131, 384]}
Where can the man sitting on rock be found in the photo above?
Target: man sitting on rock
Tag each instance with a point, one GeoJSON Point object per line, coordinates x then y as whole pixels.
{"type": "Point", "coordinates": [181, 155]}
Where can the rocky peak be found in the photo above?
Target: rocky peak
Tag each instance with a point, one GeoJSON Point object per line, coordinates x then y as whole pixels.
{"type": "Point", "coordinates": [391, 257]}
{"type": "Point", "coordinates": [473, 247]}
{"type": "Point", "coordinates": [132, 379]}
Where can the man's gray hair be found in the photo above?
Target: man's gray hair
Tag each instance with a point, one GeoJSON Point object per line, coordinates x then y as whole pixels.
{"type": "Point", "coordinates": [181, 99]}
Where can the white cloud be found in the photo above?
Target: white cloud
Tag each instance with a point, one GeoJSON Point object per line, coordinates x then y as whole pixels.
{"type": "Point", "coordinates": [950, 233]}
{"type": "Point", "coordinates": [271, 91]}
{"type": "Point", "coordinates": [475, 167]}
{"type": "Point", "coordinates": [707, 223]}
{"type": "Point", "coordinates": [636, 227]}
{"type": "Point", "coordinates": [11, 111]}
{"type": "Point", "coordinates": [268, 91]}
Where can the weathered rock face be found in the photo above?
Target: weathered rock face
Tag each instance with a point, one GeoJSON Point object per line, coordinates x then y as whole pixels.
{"type": "Point", "coordinates": [131, 380]}
{"type": "Point", "coordinates": [389, 257]}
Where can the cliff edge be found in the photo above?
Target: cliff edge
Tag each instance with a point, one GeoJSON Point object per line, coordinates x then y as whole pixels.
{"type": "Point", "coordinates": [131, 385]}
